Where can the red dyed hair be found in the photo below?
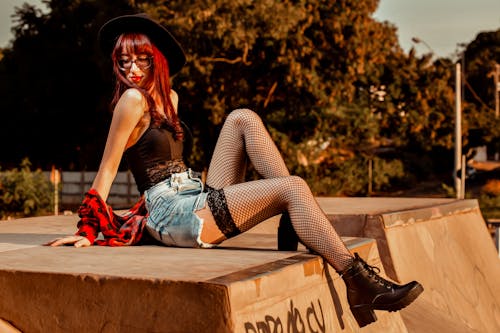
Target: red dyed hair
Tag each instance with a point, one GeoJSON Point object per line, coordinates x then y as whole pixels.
{"type": "Point", "coordinates": [158, 81]}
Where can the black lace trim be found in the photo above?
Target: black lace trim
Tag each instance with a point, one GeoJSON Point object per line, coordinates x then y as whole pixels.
{"type": "Point", "coordinates": [217, 203]}
{"type": "Point", "coordinates": [163, 170]}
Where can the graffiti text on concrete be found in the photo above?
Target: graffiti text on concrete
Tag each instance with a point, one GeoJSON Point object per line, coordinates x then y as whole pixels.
{"type": "Point", "coordinates": [311, 320]}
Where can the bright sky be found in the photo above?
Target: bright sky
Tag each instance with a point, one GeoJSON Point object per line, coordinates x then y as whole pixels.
{"type": "Point", "coordinates": [6, 10]}
{"type": "Point", "coordinates": [441, 24]}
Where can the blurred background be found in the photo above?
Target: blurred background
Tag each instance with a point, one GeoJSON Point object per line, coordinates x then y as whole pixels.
{"type": "Point", "coordinates": [356, 105]}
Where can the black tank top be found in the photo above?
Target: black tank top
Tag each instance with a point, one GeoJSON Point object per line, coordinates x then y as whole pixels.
{"type": "Point", "coordinates": [154, 157]}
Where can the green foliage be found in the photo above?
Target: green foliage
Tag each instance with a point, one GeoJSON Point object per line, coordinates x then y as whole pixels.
{"type": "Point", "coordinates": [24, 192]}
{"type": "Point", "coordinates": [489, 199]}
{"type": "Point", "coordinates": [489, 205]}
{"type": "Point", "coordinates": [385, 172]}
{"type": "Point", "coordinates": [449, 190]}
{"type": "Point", "coordinates": [352, 177]}
{"type": "Point", "coordinates": [479, 59]}
{"type": "Point", "coordinates": [55, 84]}
{"type": "Point", "coordinates": [306, 67]}
{"type": "Point", "coordinates": [331, 83]}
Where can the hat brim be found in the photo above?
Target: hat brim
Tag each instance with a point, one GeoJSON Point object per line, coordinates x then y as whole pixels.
{"type": "Point", "coordinates": [141, 23]}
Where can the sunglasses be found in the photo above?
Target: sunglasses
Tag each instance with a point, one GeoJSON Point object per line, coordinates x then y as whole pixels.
{"type": "Point", "coordinates": [141, 62]}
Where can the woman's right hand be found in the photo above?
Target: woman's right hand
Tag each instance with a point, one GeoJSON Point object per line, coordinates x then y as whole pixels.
{"type": "Point", "coordinates": [76, 241]}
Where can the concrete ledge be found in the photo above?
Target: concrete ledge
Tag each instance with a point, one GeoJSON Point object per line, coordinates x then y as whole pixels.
{"type": "Point", "coordinates": [442, 243]}
{"type": "Point", "coordinates": [246, 285]}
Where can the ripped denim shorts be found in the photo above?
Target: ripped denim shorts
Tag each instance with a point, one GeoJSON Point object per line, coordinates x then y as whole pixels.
{"type": "Point", "coordinates": [172, 204]}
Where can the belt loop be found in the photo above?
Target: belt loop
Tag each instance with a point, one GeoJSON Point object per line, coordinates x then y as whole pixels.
{"type": "Point", "coordinates": [190, 173]}
{"type": "Point", "coordinates": [174, 180]}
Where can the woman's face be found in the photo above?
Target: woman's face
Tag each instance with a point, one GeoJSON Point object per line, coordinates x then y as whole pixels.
{"type": "Point", "coordinates": [135, 67]}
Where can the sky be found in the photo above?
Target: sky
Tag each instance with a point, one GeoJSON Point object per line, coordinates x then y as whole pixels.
{"type": "Point", "coordinates": [440, 24]}
{"type": "Point", "coordinates": [6, 10]}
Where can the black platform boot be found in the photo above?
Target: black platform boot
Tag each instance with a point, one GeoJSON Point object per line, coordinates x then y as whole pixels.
{"type": "Point", "coordinates": [367, 291]}
{"type": "Point", "coordinates": [287, 237]}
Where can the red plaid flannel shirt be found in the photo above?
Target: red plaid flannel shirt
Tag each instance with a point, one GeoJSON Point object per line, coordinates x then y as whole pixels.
{"type": "Point", "coordinates": [118, 230]}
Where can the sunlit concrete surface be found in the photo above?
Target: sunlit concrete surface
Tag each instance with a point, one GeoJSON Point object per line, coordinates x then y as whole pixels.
{"type": "Point", "coordinates": [246, 285]}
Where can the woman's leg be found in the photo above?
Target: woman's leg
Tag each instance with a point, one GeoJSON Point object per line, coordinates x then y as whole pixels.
{"type": "Point", "coordinates": [244, 135]}
{"type": "Point", "coordinates": [238, 208]}
{"type": "Point", "coordinates": [253, 202]}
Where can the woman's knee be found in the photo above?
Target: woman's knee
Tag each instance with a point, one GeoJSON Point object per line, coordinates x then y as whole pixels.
{"type": "Point", "coordinates": [243, 117]}
{"type": "Point", "coordinates": [295, 188]}
{"type": "Point", "coordinates": [297, 183]}
{"type": "Point", "coordinates": [291, 185]}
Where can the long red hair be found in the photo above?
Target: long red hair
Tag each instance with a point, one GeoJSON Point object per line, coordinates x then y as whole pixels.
{"type": "Point", "coordinates": [159, 81]}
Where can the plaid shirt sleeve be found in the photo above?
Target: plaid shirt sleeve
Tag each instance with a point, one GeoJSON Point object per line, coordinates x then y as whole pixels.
{"type": "Point", "coordinates": [88, 225]}
{"type": "Point", "coordinates": [118, 230]}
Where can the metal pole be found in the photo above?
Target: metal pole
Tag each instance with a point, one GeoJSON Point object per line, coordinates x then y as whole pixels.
{"type": "Point", "coordinates": [370, 177]}
{"type": "Point", "coordinates": [497, 90]}
{"type": "Point", "coordinates": [56, 191]}
{"type": "Point", "coordinates": [458, 128]}
{"type": "Point", "coordinates": [462, 178]}
{"type": "Point", "coordinates": [496, 79]}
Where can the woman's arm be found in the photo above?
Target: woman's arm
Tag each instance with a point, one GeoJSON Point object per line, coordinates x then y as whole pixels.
{"type": "Point", "coordinates": [128, 112]}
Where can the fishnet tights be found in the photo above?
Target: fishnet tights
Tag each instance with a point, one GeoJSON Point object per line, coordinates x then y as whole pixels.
{"type": "Point", "coordinates": [250, 203]}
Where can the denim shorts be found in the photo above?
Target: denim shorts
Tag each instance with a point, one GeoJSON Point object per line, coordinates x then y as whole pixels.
{"type": "Point", "coordinates": [172, 204]}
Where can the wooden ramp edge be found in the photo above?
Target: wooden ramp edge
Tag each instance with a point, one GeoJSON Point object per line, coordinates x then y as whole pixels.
{"type": "Point", "coordinates": [444, 245]}
{"type": "Point", "coordinates": [247, 286]}
{"type": "Point", "coordinates": [300, 294]}
{"type": "Point", "coordinates": [243, 286]}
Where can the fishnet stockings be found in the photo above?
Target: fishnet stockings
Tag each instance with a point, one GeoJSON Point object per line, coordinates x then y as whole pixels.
{"type": "Point", "coordinates": [250, 203]}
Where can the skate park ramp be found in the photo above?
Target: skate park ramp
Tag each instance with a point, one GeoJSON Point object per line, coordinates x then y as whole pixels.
{"type": "Point", "coordinates": [442, 243]}
{"type": "Point", "coordinates": [248, 286]}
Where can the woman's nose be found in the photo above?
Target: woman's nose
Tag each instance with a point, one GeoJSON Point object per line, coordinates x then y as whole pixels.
{"type": "Point", "coordinates": [134, 67]}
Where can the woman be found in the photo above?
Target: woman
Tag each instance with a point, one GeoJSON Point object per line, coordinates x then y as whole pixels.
{"type": "Point", "coordinates": [146, 130]}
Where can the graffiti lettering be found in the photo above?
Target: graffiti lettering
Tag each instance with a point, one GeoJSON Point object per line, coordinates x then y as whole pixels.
{"type": "Point", "coordinates": [294, 323]}
{"type": "Point", "coordinates": [294, 318]}
{"type": "Point", "coordinates": [312, 311]}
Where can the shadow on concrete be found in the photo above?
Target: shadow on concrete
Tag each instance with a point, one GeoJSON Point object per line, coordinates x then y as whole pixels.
{"type": "Point", "coordinates": [27, 239]}
{"type": "Point", "coordinates": [335, 298]}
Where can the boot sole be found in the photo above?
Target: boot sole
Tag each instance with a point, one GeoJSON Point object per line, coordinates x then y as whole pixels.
{"type": "Point", "coordinates": [364, 314]}
{"type": "Point", "coordinates": [403, 302]}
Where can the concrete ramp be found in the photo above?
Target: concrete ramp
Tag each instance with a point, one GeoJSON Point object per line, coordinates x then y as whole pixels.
{"type": "Point", "coordinates": [442, 243]}
{"type": "Point", "coordinates": [246, 285]}
{"type": "Point", "coordinates": [243, 286]}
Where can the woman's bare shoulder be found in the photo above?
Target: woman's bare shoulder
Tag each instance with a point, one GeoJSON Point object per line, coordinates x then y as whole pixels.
{"type": "Point", "coordinates": [174, 98]}
{"type": "Point", "coordinates": [132, 103]}
{"type": "Point", "coordinates": [133, 94]}
{"type": "Point", "coordinates": [173, 94]}
{"type": "Point", "coordinates": [132, 97]}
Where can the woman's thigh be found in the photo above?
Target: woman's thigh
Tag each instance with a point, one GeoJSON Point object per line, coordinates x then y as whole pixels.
{"type": "Point", "coordinates": [210, 233]}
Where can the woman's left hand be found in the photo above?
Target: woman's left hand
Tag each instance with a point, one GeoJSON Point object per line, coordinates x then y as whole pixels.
{"type": "Point", "coordinates": [77, 241]}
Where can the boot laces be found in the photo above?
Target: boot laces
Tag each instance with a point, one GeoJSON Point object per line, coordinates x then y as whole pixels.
{"type": "Point", "coordinates": [374, 272]}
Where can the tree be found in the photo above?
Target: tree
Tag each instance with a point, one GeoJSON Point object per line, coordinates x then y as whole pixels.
{"type": "Point", "coordinates": [305, 66]}
{"type": "Point", "coordinates": [480, 58]}
{"type": "Point", "coordinates": [56, 91]}
{"type": "Point", "coordinates": [332, 84]}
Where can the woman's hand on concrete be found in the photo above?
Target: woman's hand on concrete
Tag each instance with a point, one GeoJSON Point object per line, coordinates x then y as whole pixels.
{"type": "Point", "coordinates": [76, 241]}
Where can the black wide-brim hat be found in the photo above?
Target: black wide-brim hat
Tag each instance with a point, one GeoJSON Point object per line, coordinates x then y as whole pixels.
{"type": "Point", "coordinates": [142, 23]}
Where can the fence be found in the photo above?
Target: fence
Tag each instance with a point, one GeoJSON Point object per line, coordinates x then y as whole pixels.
{"type": "Point", "coordinates": [74, 184]}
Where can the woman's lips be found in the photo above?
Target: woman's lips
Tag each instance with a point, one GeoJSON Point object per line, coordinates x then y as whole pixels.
{"type": "Point", "coordinates": [135, 78]}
